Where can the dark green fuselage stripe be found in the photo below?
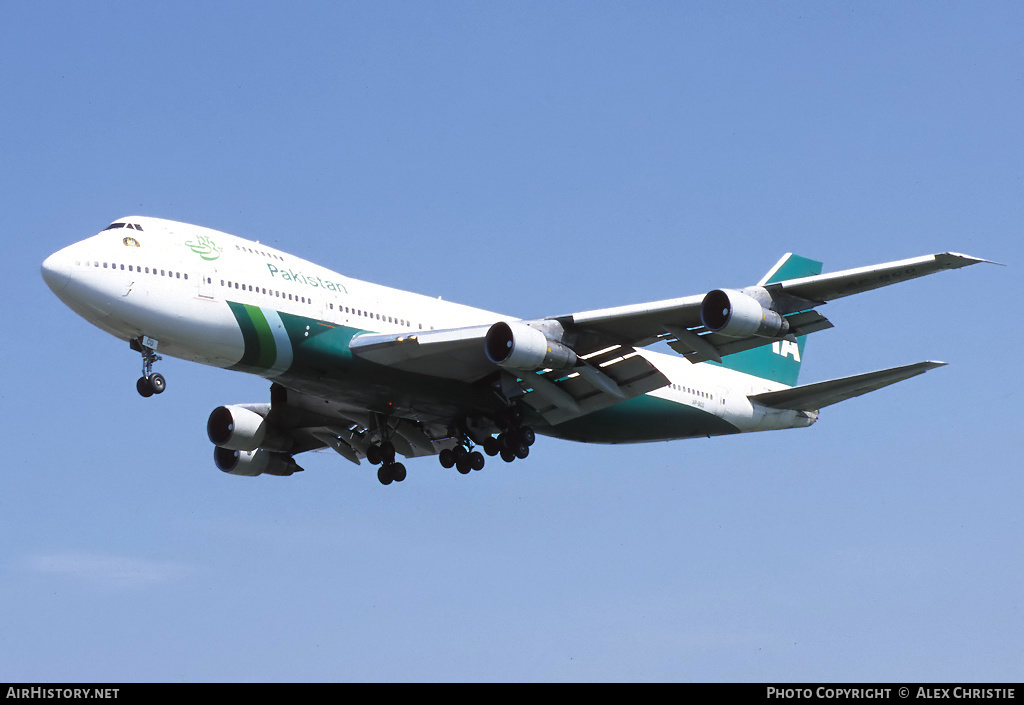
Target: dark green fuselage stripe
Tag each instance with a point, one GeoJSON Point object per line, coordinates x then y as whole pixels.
{"type": "Point", "coordinates": [640, 419]}
{"type": "Point", "coordinates": [267, 355]}
{"type": "Point", "coordinates": [260, 349]}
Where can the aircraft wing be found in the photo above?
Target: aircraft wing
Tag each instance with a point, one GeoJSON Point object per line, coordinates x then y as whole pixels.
{"type": "Point", "coordinates": [826, 287]}
{"type": "Point", "coordinates": [680, 323]}
{"type": "Point", "coordinates": [456, 353]}
{"type": "Point", "coordinates": [585, 361]}
{"type": "Point", "coordinates": [599, 379]}
{"type": "Point", "coordinates": [295, 422]}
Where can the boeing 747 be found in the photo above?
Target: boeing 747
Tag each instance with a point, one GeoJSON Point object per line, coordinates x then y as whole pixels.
{"type": "Point", "coordinates": [376, 373]}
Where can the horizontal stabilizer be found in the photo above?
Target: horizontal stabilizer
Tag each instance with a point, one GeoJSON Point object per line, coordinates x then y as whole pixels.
{"type": "Point", "coordinates": [816, 396]}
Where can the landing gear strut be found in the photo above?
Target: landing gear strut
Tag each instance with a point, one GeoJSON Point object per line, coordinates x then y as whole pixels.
{"type": "Point", "coordinates": [150, 382]}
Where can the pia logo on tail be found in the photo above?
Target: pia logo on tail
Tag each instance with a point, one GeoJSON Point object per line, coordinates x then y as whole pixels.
{"type": "Point", "coordinates": [786, 348]}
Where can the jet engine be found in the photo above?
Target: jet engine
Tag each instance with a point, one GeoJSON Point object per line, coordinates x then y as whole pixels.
{"type": "Point", "coordinates": [253, 463]}
{"type": "Point", "coordinates": [737, 314]}
{"type": "Point", "coordinates": [518, 346]}
{"type": "Point", "coordinates": [236, 428]}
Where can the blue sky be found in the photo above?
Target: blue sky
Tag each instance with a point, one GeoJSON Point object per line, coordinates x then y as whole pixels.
{"type": "Point", "coordinates": [536, 159]}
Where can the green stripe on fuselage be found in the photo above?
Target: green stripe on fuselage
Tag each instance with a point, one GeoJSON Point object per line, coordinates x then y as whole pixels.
{"type": "Point", "coordinates": [315, 346]}
{"type": "Point", "coordinates": [260, 349]}
{"type": "Point", "coordinates": [267, 347]}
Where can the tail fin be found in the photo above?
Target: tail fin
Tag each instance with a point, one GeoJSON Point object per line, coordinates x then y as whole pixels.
{"type": "Point", "coordinates": [780, 361]}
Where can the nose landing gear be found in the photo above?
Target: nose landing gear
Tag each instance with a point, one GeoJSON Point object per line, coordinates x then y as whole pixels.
{"type": "Point", "coordinates": [150, 382]}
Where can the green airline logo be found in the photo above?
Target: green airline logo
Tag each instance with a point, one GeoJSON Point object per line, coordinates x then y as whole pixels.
{"type": "Point", "coordinates": [205, 248]}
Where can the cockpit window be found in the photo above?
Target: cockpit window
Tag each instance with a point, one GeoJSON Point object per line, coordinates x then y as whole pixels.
{"type": "Point", "coordinates": [113, 226]}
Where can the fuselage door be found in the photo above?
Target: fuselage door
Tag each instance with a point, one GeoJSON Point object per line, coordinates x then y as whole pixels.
{"type": "Point", "coordinates": [718, 401]}
{"type": "Point", "coordinates": [206, 278]}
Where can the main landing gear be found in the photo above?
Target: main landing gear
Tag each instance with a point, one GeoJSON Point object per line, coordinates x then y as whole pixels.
{"type": "Point", "coordinates": [514, 442]}
{"type": "Point", "coordinates": [383, 454]}
{"type": "Point", "coordinates": [150, 382]}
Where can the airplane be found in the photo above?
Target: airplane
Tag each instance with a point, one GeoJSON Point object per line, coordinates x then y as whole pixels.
{"type": "Point", "coordinates": [375, 373]}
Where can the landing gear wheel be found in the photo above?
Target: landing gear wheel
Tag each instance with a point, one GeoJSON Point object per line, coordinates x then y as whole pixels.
{"type": "Point", "coordinates": [447, 458]}
{"type": "Point", "coordinates": [521, 451]}
{"type": "Point", "coordinates": [507, 455]}
{"type": "Point", "coordinates": [373, 455]}
{"type": "Point", "coordinates": [492, 446]}
{"type": "Point", "coordinates": [462, 464]}
{"type": "Point", "coordinates": [385, 475]}
{"type": "Point", "coordinates": [144, 387]}
{"type": "Point", "coordinates": [476, 460]}
{"type": "Point", "coordinates": [398, 471]}
{"type": "Point", "coordinates": [527, 436]}
{"type": "Point", "coordinates": [157, 383]}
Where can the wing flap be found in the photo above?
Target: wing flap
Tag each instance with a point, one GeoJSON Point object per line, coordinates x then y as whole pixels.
{"type": "Point", "coordinates": [604, 380]}
{"type": "Point", "coordinates": [810, 397]}
{"type": "Point", "coordinates": [697, 346]}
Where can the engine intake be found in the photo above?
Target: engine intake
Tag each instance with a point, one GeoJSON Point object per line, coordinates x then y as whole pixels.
{"type": "Point", "coordinates": [739, 315]}
{"type": "Point", "coordinates": [518, 346]}
{"type": "Point", "coordinates": [236, 428]}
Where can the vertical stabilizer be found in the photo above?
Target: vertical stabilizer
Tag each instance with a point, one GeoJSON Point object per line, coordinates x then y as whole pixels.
{"type": "Point", "coordinates": [779, 361]}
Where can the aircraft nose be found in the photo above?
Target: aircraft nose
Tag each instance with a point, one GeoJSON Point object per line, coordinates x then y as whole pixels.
{"type": "Point", "coordinates": [56, 271]}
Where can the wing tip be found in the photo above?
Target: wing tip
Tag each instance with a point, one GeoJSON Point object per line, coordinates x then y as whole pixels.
{"type": "Point", "coordinates": [962, 260]}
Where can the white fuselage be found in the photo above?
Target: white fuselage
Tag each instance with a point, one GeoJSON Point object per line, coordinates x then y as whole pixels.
{"type": "Point", "coordinates": [183, 285]}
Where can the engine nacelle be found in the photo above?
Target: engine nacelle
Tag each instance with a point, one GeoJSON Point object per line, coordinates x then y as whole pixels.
{"type": "Point", "coordinates": [739, 315]}
{"type": "Point", "coordinates": [255, 462]}
{"type": "Point", "coordinates": [518, 346]}
{"type": "Point", "coordinates": [236, 428]}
